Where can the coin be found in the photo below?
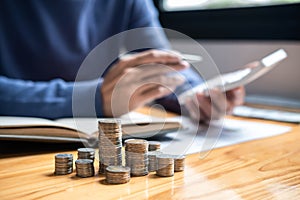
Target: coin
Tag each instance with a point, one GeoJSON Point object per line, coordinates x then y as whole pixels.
{"type": "Point", "coordinates": [117, 174]}
{"type": "Point", "coordinates": [136, 157]}
{"type": "Point", "coordinates": [152, 166]}
{"type": "Point", "coordinates": [179, 162]}
{"type": "Point", "coordinates": [86, 153]}
{"type": "Point", "coordinates": [110, 143]}
{"type": "Point", "coordinates": [63, 164]}
{"type": "Point", "coordinates": [63, 157]}
{"type": "Point", "coordinates": [165, 165]}
{"type": "Point", "coordinates": [84, 168]}
{"type": "Point", "coordinates": [154, 145]}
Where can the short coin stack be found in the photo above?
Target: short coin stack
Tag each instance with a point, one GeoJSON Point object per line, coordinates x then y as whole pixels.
{"type": "Point", "coordinates": [84, 168]}
{"type": "Point", "coordinates": [86, 153]}
{"type": "Point", "coordinates": [165, 165]}
{"type": "Point", "coordinates": [154, 145]}
{"type": "Point", "coordinates": [153, 160]}
{"type": "Point", "coordinates": [136, 157]}
{"type": "Point", "coordinates": [179, 163]}
{"type": "Point", "coordinates": [63, 164]}
{"type": "Point", "coordinates": [117, 174]}
{"type": "Point", "coordinates": [110, 143]}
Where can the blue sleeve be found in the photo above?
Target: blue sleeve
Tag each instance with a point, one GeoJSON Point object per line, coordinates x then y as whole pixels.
{"type": "Point", "coordinates": [51, 99]}
{"type": "Point", "coordinates": [143, 14]}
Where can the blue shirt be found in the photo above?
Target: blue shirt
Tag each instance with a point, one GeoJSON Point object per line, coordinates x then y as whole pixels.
{"type": "Point", "coordinates": [44, 42]}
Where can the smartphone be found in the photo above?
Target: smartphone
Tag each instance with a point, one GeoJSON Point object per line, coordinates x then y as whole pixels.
{"type": "Point", "coordinates": [237, 78]}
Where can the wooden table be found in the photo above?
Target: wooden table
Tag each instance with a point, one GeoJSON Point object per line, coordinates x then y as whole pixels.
{"type": "Point", "coordinates": [263, 169]}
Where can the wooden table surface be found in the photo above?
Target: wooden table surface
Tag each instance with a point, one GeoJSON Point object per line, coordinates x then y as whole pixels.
{"type": "Point", "coordinates": [262, 169]}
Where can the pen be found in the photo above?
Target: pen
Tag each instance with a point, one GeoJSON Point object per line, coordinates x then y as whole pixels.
{"type": "Point", "coordinates": [191, 58]}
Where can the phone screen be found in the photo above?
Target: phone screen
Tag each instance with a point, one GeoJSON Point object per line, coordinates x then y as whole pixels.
{"type": "Point", "coordinates": [274, 58]}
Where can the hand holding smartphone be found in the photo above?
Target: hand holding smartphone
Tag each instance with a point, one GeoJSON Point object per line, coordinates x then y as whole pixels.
{"type": "Point", "coordinates": [237, 78]}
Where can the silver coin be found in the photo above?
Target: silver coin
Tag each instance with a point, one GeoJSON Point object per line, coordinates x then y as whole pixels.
{"type": "Point", "coordinates": [117, 169]}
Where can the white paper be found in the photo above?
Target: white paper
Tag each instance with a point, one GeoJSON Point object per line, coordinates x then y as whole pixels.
{"type": "Point", "coordinates": [189, 140]}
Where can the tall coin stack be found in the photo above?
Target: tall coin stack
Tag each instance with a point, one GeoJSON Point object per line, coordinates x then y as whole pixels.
{"type": "Point", "coordinates": [136, 157]}
{"type": "Point", "coordinates": [165, 165]}
{"type": "Point", "coordinates": [86, 153]}
{"type": "Point", "coordinates": [179, 163]}
{"type": "Point", "coordinates": [153, 160]}
{"type": "Point", "coordinates": [154, 145]}
{"type": "Point", "coordinates": [110, 143]}
{"type": "Point", "coordinates": [84, 168]}
{"type": "Point", "coordinates": [63, 164]}
{"type": "Point", "coordinates": [117, 174]}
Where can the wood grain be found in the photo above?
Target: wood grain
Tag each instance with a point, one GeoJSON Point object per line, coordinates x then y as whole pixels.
{"type": "Point", "coordinates": [263, 169]}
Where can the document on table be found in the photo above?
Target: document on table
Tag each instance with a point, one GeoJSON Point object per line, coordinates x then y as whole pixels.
{"type": "Point", "coordinates": [193, 139]}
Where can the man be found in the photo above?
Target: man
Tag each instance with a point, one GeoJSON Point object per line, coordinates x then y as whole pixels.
{"type": "Point", "coordinates": [44, 42]}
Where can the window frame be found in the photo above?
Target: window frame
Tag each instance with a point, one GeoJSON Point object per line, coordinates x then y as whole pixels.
{"type": "Point", "coordinates": [274, 22]}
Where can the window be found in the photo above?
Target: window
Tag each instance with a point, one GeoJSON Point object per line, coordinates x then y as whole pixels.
{"type": "Point", "coordinates": [183, 5]}
{"type": "Point", "coordinates": [232, 19]}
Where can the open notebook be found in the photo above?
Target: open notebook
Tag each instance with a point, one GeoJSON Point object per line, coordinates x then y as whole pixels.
{"type": "Point", "coordinates": [175, 139]}
{"type": "Point", "coordinates": [80, 129]}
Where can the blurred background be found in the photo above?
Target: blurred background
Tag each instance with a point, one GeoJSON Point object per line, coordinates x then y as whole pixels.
{"type": "Point", "coordinates": [236, 32]}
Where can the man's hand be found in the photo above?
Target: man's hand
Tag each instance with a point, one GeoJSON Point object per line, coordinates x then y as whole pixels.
{"type": "Point", "coordinates": [204, 108]}
{"type": "Point", "coordinates": [214, 104]}
{"type": "Point", "coordinates": [139, 79]}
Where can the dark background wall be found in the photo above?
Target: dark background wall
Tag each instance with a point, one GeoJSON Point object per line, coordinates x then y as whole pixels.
{"type": "Point", "coordinates": [278, 22]}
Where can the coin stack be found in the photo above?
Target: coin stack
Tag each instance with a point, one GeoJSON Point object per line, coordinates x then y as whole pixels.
{"type": "Point", "coordinates": [153, 160]}
{"type": "Point", "coordinates": [165, 165]}
{"type": "Point", "coordinates": [63, 164]}
{"type": "Point", "coordinates": [154, 145]}
{"type": "Point", "coordinates": [179, 163]}
{"type": "Point", "coordinates": [117, 174]}
{"type": "Point", "coordinates": [136, 157]}
{"type": "Point", "coordinates": [86, 153]}
{"type": "Point", "coordinates": [110, 143]}
{"type": "Point", "coordinates": [84, 168]}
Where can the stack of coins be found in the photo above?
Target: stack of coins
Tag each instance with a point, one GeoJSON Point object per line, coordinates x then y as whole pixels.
{"type": "Point", "coordinates": [86, 153]}
{"type": "Point", "coordinates": [110, 143]}
{"type": "Point", "coordinates": [136, 157]}
{"type": "Point", "coordinates": [165, 165]}
{"type": "Point", "coordinates": [63, 164]}
{"type": "Point", "coordinates": [179, 163]}
{"type": "Point", "coordinates": [84, 168]}
{"type": "Point", "coordinates": [153, 160]}
{"type": "Point", "coordinates": [154, 145]}
{"type": "Point", "coordinates": [117, 174]}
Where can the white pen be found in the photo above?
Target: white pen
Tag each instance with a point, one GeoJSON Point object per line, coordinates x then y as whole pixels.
{"type": "Point", "coordinates": [191, 58]}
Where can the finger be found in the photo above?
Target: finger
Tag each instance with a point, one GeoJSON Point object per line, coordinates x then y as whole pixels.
{"type": "Point", "coordinates": [218, 101]}
{"type": "Point", "coordinates": [204, 104]}
{"type": "Point", "coordinates": [131, 78]}
{"type": "Point", "coordinates": [145, 88]}
{"type": "Point", "coordinates": [252, 64]}
{"type": "Point", "coordinates": [174, 80]}
{"type": "Point", "coordinates": [208, 108]}
{"type": "Point", "coordinates": [141, 72]}
{"type": "Point", "coordinates": [154, 93]}
{"type": "Point", "coordinates": [127, 77]}
{"type": "Point", "coordinates": [152, 86]}
{"type": "Point", "coordinates": [190, 106]}
{"type": "Point", "coordinates": [196, 111]}
{"type": "Point", "coordinates": [158, 69]}
{"type": "Point", "coordinates": [236, 96]}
